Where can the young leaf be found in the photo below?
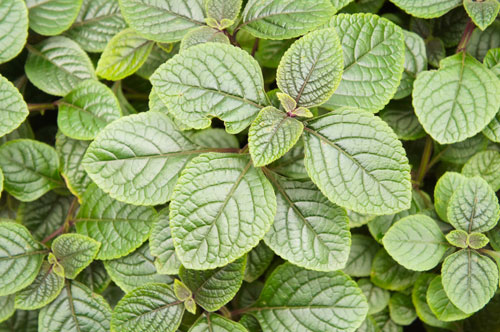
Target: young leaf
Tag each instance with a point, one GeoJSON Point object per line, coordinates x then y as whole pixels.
{"type": "Point", "coordinates": [51, 17]}
{"type": "Point", "coordinates": [416, 242]}
{"type": "Point", "coordinates": [363, 180]}
{"type": "Point", "coordinates": [415, 62]}
{"type": "Point", "coordinates": [119, 227]}
{"type": "Point", "coordinates": [214, 288]}
{"type": "Point", "coordinates": [441, 305]}
{"type": "Point", "coordinates": [362, 251]}
{"type": "Point", "coordinates": [372, 70]}
{"type": "Point", "coordinates": [13, 108]}
{"type": "Point", "coordinates": [446, 100]}
{"type": "Point", "coordinates": [226, 83]}
{"type": "Point", "coordinates": [458, 238]}
{"type": "Point", "coordinates": [30, 168]}
{"type": "Point", "coordinates": [7, 308]}
{"type": "Point", "coordinates": [202, 35]}
{"type": "Point", "coordinates": [182, 292]}
{"type": "Point", "coordinates": [483, 13]}
{"type": "Point", "coordinates": [14, 27]}
{"type": "Point", "coordinates": [477, 240]}
{"type": "Point", "coordinates": [152, 307]}
{"type": "Point", "coordinates": [335, 301]}
{"type": "Point", "coordinates": [216, 323]}
{"type": "Point", "coordinates": [223, 10]}
{"type": "Point", "coordinates": [311, 69]}
{"type": "Point", "coordinates": [445, 187]}
{"type": "Point", "coordinates": [272, 134]}
{"type": "Point", "coordinates": [74, 252]}
{"type": "Point", "coordinates": [221, 208]}
{"type": "Point", "coordinates": [87, 109]}
{"type": "Point", "coordinates": [258, 260]}
{"type": "Point", "coordinates": [76, 309]}
{"type": "Point", "coordinates": [401, 309]}
{"type": "Point", "coordinates": [485, 164]}
{"type": "Point", "coordinates": [388, 274]}
{"type": "Point", "coordinates": [308, 230]}
{"type": "Point", "coordinates": [162, 245]}
{"type": "Point", "coordinates": [377, 298]}
{"type": "Point", "coordinates": [427, 8]}
{"type": "Point", "coordinates": [284, 19]}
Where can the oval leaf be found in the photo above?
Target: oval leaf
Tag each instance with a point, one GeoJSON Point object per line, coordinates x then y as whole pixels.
{"type": "Point", "coordinates": [74, 252]}
{"type": "Point", "coordinates": [440, 304]}
{"type": "Point", "coordinates": [444, 189]}
{"type": "Point", "coordinates": [13, 108]}
{"type": "Point", "coordinates": [427, 8]}
{"type": "Point", "coordinates": [485, 164]}
{"type": "Point", "coordinates": [51, 17]}
{"type": "Point", "coordinates": [162, 245]}
{"type": "Point", "coordinates": [14, 27]}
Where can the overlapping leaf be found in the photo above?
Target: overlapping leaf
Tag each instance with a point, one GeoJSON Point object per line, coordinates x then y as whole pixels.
{"type": "Point", "coordinates": [415, 62]}
{"type": "Point", "coordinates": [202, 35]}
{"type": "Point", "coordinates": [427, 8]}
{"type": "Point", "coordinates": [216, 323]}
{"type": "Point", "coordinates": [13, 108]}
{"type": "Point", "coordinates": [43, 12]}
{"type": "Point", "coordinates": [14, 27]}
{"type": "Point", "coordinates": [162, 245]}
{"type": "Point", "coordinates": [74, 252]}
{"type": "Point", "coordinates": [444, 189]}
{"type": "Point", "coordinates": [482, 13]}
{"type": "Point", "coordinates": [485, 164]}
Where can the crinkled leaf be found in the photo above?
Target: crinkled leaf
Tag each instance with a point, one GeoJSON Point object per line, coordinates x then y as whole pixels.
{"type": "Point", "coordinates": [483, 13]}
{"type": "Point", "coordinates": [477, 240]}
{"type": "Point", "coordinates": [74, 252]}
{"type": "Point", "coordinates": [459, 153]}
{"type": "Point", "coordinates": [482, 41]}
{"type": "Point", "coordinates": [401, 309]}
{"type": "Point", "coordinates": [361, 253]}
{"type": "Point", "coordinates": [258, 260]}
{"type": "Point", "coordinates": [216, 323]}
{"type": "Point", "coordinates": [485, 164]}
{"type": "Point", "coordinates": [202, 35]}
{"type": "Point", "coordinates": [21, 321]}
{"type": "Point", "coordinates": [457, 238]}
{"type": "Point", "coordinates": [358, 219]}
{"type": "Point", "coordinates": [415, 62]}
{"type": "Point", "coordinates": [440, 304]}
{"type": "Point", "coordinates": [13, 108]}
{"type": "Point", "coordinates": [51, 17]}
{"type": "Point", "coordinates": [427, 8]}
{"type": "Point", "coordinates": [384, 322]}
{"type": "Point", "coordinates": [220, 10]}
{"type": "Point", "coordinates": [400, 116]}
{"type": "Point", "coordinates": [388, 274]}
{"type": "Point", "coordinates": [377, 298]}
{"type": "Point", "coordinates": [14, 27]}
{"type": "Point", "coordinates": [444, 189]}
{"type": "Point", "coordinates": [156, 58]}
{"type": "Point", "coordinates": [162, 245]}
{"type": "Point", "coordinates": [292, 163]}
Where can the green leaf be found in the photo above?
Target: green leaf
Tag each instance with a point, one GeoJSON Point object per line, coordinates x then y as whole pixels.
{"type": "Point", "coordinates": [492, 60]}
{"type": "Point", "coordinates": [13, 108]}
{"type": "Point", "coordinates": [202, 35]}
{"type": "Point", "coordinates": [86, 110]}
{"type": "Point", "coordinates": [401, 309]}
{"type": "Point", "coordinates": [182, 292]}
{"type": "Point", "coordinates": [271, 51]}
{"type": "Point", "coordinates": [368, 325]}
{"type": "Point", "coordinates": [51, 17]}
{"type": "Point", "coordinates": [258, 260]}
{"type": "Point", "coordinates": [220, 10]}
{"type": "Point", "coordinates": [214, 138]}
{"type": "Point", "coordinates": [388, 274]}
{"type": "Point", "coordinates": [97, 22]}
{"type": "Point", "coordinates": [237, 204]}
{"type": "Point", "coordinates": [1, 182]}
{"type": "Point", "coordinates": [400, 116]}
{"type": "Point", "coordinates": [371, 175]}
{"type": "Point", "coordinates": [416, 242]}
{"type": "Point", "coordinates": [485, 164]}
{"type": "Point", "coordinates": [214, 288]}
{"type": "Point", "coordinates": [482, 41]}
{"type": "Point", "coordinates": [458, 238]}
{"type": "Point", "coordinates": [377, 298]}
{"type": "Point", "coordinates": [74, 252]}
{"type": "Point", "coordinates": [474, 206]}
{"type": "Point", "coordinates": [361, 254]}
{"type": "Point", "coordinates": [119, 227]}
{"type": "Point", "coordinates": [155, 59]}
{"type": "Point", "coordinates": [415, 62]}
{"type": "Point", "coordinates": [272, 134]}
{"type": "Point", "coordinates": [459, 153]}
{"type": "Point", "coordinates": [427, 8]}
{"type": "Point", "coordinates": [162, 245]}
{"type": "Point", "coordinates": [94, 277]}
{"type": "Point", "coordinates": [56, 266]}
{"type": "Point", "coordinates": [483, 13]}
{"type": "Point", "coordinates": [477, 240]}
{"type": "Point", "coordinates": [444, 189]}
{"type": "Point", "coordinates": [30, 168]}
{"type": "Point", "coordinates": [44, 289]}
{"type": "Point", "coordinates": [469, 279]}
{"type": "Point", "coordinates": [14, 27]}
{"type": "Point", "coordinates": [57, 65]}
{"type": "Point", "coordinates": [166, 21]}
{"type": "Point", "coordinates": [373, 69]}
{"type": "Point", "coordinates": [146, 308]}
{"type": "Point", "coordinates": [7, 308]}
{"type": "Point", "coordinates": [149, 142]}
{"type": "Point", "coordinates": [232, 91]}
{"type": "Point", "coordinates": [76, 309]}
{"type": "Point", "coordinates": [441, 305]}
{"type": "Point", "coordinates": [334, 301]}
{"type": "Point", "coordinates": [284, 19]}
{"type": "Point", "coordinates": [358, 219]}
{"type": "Point", "coordinates": [311, 69]}
{"type": "Point", "coordinates": [384, 323]}
{"type": "Point", "coordinates": [446, 101]}
{"type": "Point", "coordinates": [435, 51]}
{"type": "Point", "coordinates": [308, 230]}
{"type": "Point", "coordinates": [216, 323]}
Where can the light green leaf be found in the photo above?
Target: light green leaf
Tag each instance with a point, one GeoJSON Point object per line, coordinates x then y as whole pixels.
{"type": "Point", "coordinates": [14, 27]}
{"type": "Point", "coordinates": [119, 227]}
{"type": "Point", "coordinates": [477, 240]}
{"type": "Point", "coordinates": [333, 301]}
{"type": "Point", "coordinates": [182, 292]}
{"type": "Point", "coordinates": [284, 19]}
{"type": "Point", "coordinates": [485, 164]}
{"type": "Point", "coordinates": [308, 230]}
{"type": "Point", "coordinates": [258, 260]}
{"type": "Point", "coordinates": [416, 242]}
{"type": "Point", "coordinates": [400, 116]}
{"type": "Point", "coordinates": [482, 41]}
{"type": "Point", "coordinates": [358, 219]}
{"type": "Point", "coordinates": [377, 298]}
{"type": "Point", "coordinates": [57, 65]}
{"type": "Point", "coordinates": [361, 254]}
{"type": "Point", "coordinates": [401, 309]}
{"type": "Point", "coordinates": [216, 323]}
{"type": "Point", "coordinates": [483, 13]}
{"type": "Point", "coordinates": [149, 142]}
{"type": "Point", "coordinates": [469, 280]}
{"type": "Point", "coordinates": [427, 8]}
{"type": "Point", "coordinates": [458, 238]}
{"type": "Point", "coordinates": [95, 277]}
{"type": "Point", "coordinates": [76, 309]}
{"type": "Point", "coordinates": [372, 70]}
{"type": "Point", "coordinates": [13, 108]}
{"type": "Point", "coordinates": [492, 60]}
{"type": "Point", "coordinates": [474, 206]}
{"type": "Point", "coordinates": [51, 17]}
{"type": "Point", "coordinates": [214, 288]}
{"type": "Point", "coordinates": [202, 35]}
{"type": "Point", "coordinates": [97, 22]}
{"type": "Point", "coordinates": [87, 109]}
{"type": "Point", "coordinates": [74, 252]}
{"type": "Point", "coordinates": [444, 189]}
{"type": "Point", "coordinates": [7, 308]}
{"type": "Point", "coordinates": [237, 205]}
{"type": "Point", "coordinates": [162, 245]}
{"type": "Point", "coordinates": [363, 6]}
{"type": "Point", "coordinates": [30, 168]}
{"type": "Point", "coordinates": [272, 134]}
{"type": "Point", "coordinates": [152, 307]}
{"type": "Point", "coordinates": [441, 305]}
{"type": "Point", "coordinates": [166, 21]}
{"type": "Point", "coordinates": [226, 82]}
{"type": "Point", "coordinates": [339, 4]}
{"type": "Point", "coordinates": [371, 173]}
{"type": "Point", "coordinates": [446, 101]}
{"type": "Point", "coordinates": [459, 153]}
{"type": "Point", "coordinates": [292, 163]}
{"type": "Point", "coordinates": [388, 274]}
{"type": "Point", "coordinates": [220, 10]}
{"type": "Point", "coordinates": [415, 62]}
{"type": "Point", "coordinates": [214, 138]}
{"type": "Point", "coordinates": [311, 69]}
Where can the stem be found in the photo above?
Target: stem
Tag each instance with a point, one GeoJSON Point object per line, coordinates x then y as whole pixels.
{"type": "Point", "coordinates": [232, 38]}
{"type": "Point", "coordinates": [491, 253]}
{"type": "Point", "coordinates": [136, 96]}
{"type": "Point", "coordinates": [225, 312]}
{"type": "Point", "coordinates": [436, 158]}
{"type": "Point", "coordinates": [244, 149]}
{"type": "Point", "coordinates": [469, 29]}
{"type": "Point", "coordinates": [255, 47]}
{"type": "Point", "coordinates": [41, 107]}
{"type": "Point", "coordinates": [426, 156]}
{"type": "Point", "coordinates": [68, 222]}
{"type": "Point", "coordinates": [240, 311]}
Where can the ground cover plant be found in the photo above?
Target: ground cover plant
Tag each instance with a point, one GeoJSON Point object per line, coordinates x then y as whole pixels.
{"type": "Point", "coordinates": [259, 165]}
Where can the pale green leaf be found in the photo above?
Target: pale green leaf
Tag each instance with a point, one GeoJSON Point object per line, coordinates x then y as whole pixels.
{"type": "Point", "coordinates": [401, 309]}
{"type": "Point", "coordinates": [214, 138]}
{"type": "Point", "coordinates": [483, 12]}
{"type": "Point", "coordinates": [220, 10]}
{"type": "Point", "coordinates": [94, 277]}
{"type": "Point", "coordinates": [441, 305]}
{"type": "Point", "coordinates": [1, 182]}
{"type": "Point", "coordinates": [363, 6]}
{"type": "Point", "coordinates": [458, 238]}
{"type": "Point", "coordinates": [415, 62]}
{"type": "Point", "coordinates": [368, 325]}
{"type": "Point", "coordinates": [182, 292]}
{"type": "Point", "coordinates": [444, 189]}
{"type": "Point", "coordinates": [377, 298]}
{"type": "Point", "coordinates": [358, 219]}
{"type": "Point", "coordinates": [427, 8]}
{"type": "Point", "coordinates": [14, 27]}
{"type": "Point", "coordinates": [202, 35]}
{"type": "Point", "coordinates": [362, 251]}
{"type": "Point", "coordinates": [258, 260]}
{"type": "Point", "coordinates": [7, 308]}
{"type": "Point", "coordinates": [388, 274]}
{"type": "Point", "coordinates": [339, 4]}
{"type": "Point", "coordinates": [482, 41]}
{"type": "Point", "coordinates": [477, 240]}
{"type": "Point", "coordinates": [371, 173]}
{"type": "Point", "coordinates": [13, 108]}
{"type": "Point", "coordinates": [492, 60]}
{"type": "Point", "coordinates": [162, 245]}
{"type": "Point", "coordinates": [74, 252]}
{"type": "Point", "coordinates": [485, 164]}
{"type": "Point", "coordinates": [216, 323]}
{"type": "Point", "coordinates": [51, 17]}
{"type": "Point", "coordinates": [400, 116]}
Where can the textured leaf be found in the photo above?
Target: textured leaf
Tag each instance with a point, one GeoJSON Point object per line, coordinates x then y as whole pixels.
{"type": "Point", "coordinates": [94, 277]}
{"type": "Point", "coordinates": [371, 173]}
{"type": "Point", "coordinates": [474, 206]}
{"type": "Point", "coordinates": [492, 61]}
{"type": "Point", "coordinates": [76, 309]}
{"type": "Point", "coordinates": [308, 230]}
{"type": "Point", "coordinates": [125, 53]}
{"type": "Point", "coordinates": [284, 19]}
{"type": "Point", "coordinates": [368, 325]}
{"type": "Point", "coordinates": [162, 245]}
{"type": "Point", "coordinates": [377, 298]}
{"type": "Point", "coordinates": [214, 138]}
{"type": "Point", "coordinates": [373, 69]}
{"type": "Point", "coordinates": [459, 153]}
{"type": "Point", "coordinates": [469, 280]}
{"type": "Point", "coordinates": [7, 308]}
{"type": "Point", "coordinates": [483, 13]}
{"type": "Point", "coordinates": [485, 164]}
{"type": "Point", "coordinates": [13, 108]}
{"type": "Point", "coordinates": [214, 288]}
{"type": "Point", "coordinates": [445, 187]}
{"type": "Point", "coordinates": [388, 274]}
{"type": "Point", "coordinates": [482, 41]}
{"type": "Point", "coordinates": [362, 251]}
{"type": "Point", "coordinates": [21, 321]}
{"type": "Point", "coordinates": [119, 227]}
{"type": "Point", "coordinates": [221, 10]}
{"type": "Point", "coordinates": [137, 159]}
{"type": "Point", "coordinates": [202, 35]}
{"type": "Point", "coordinates": [30, 168]}
{"type": "Point", "coordinates": [86, 110]}
{"type": "Point", "coordinates": [221, 208]}
{"type": "Point", "coordinates": [216, 323]}
{"type": "Point", "coordinates": [415, 62]}
{"type": "Point", "coordinates": [51, 17]}
{"type": "Point", "coordinates": [14, 27]}
{"type": "Point", "coordinates": [458, 238]}
{"type": "Point", "coordinates": [427, 8]}
{"type": "Point", "coordinates": [155, 59]}
{"type": "Point", "coordinates": [57, 65]}
{"type": "Point", "coordinates": [166, 21]}
{"type": "Point", "coordinates": [440, 304]}
{"type": "Point", "coordinates": [312, 301]}
{"type": "Point", "coordinates": [400, 116]}
{"type": "Point", "coordinates": [211, 80]}
{"type": "Point", "coordinates": [401, 309]}
{"type": "Point", "coordinates": [74, 252]}
{"type": "Point", "coordinates": [358, 219]}
{"type": "Point", "coordinates": [447, 101]}
{"type": "Point", "coordinates": [258, 260]}
{"type": "Point", "coordinates": [477, 240]}
{"type": "Point", "coordinates": [152, 307]}
{"type": "Point", "coordinates": [384, 323]}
